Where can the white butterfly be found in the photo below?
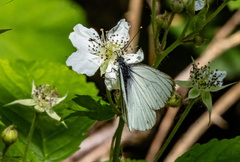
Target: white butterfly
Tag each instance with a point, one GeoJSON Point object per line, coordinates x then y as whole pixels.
{"type": "Point", "coordinates": [144, 90]}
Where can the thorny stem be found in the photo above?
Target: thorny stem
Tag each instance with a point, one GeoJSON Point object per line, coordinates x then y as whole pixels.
{"type": "Point", "coordinates": [164, 39]}
{"type": "Point", "coordinates": [183, 116]}
{"type": "Point", "coordinates": [154, 16]}
{"type": "Point", "coordinates": [156, 32]}
{"type": "Point", "coordinates": [30, 134]}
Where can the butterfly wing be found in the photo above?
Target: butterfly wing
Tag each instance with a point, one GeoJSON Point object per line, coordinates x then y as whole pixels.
{"type": "Point", "coordinates": [145, 91]}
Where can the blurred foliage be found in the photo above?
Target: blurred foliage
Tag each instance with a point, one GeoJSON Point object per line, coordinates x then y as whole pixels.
{"type": "Point", "coordinates": [40, 29]}
{"type": "Point", "coordinates": [214, 151]}
{"type": "Point", "coordinates": [234, 5]}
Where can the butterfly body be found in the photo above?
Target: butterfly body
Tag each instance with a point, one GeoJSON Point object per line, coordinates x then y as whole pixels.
{"type": "Point", "coordinates": [144, 90]}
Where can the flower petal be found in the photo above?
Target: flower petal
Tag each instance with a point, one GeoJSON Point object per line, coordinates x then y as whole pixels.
{"type": "Point", "coordinates": [220, 76]}
{"type": "Point", "coordinates": [81, 36]}
{"type": "Point", "coordinates": [199, 4]}
{"type": "Point", "coordinates": [26, 102]}
{"type": "Point", "coordinates": [84, 63]}
{"type": "Point", "coordinates": [134, 58]}
{"type": "Point", "coordinates": [33, 87]}
{"type": "Point", "coordinates": [120, 33]}
{"type": "Point", "coordinates": [61, 99]}
{"type": "Point", "coordinates": [55, 116]}
{"type": "Point", "coordinates": [112, 80]}
{"type": "Point", "coordinates": [39, 109]}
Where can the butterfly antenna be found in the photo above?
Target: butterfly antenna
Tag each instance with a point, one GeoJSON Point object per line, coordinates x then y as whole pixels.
{"type": "Point", "coordinates": [127, 45]}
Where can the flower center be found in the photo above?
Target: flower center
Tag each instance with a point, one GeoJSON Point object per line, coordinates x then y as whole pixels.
{"type": "Point", "coordinates": [108, 47]}
{"type": "Point", "coordinates": [45, 96]}
{"type": "Point", "coordinates": [204, 77]}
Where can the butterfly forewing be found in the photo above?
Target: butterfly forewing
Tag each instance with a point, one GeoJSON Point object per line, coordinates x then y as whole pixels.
{"type": "Point", "coordinates": [144, 90]}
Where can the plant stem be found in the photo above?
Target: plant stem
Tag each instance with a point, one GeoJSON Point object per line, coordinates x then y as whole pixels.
{"type": "Point", "coordinates": [30, 134]}
{"type": "Point", "coordinates": [153, 17]}
{"type": "Point", "coordinates": [171, 47]}
{"type": "Point", "coordinates": [208, 19]}
{"type": "Point", "coordinates": [164, 39]}
{"type": "Point", "coordinates": [183, 116]}
{"type": "Point", "coordinates": [4, 151]}
{"type": "Point", "coordinates": [117, 140]}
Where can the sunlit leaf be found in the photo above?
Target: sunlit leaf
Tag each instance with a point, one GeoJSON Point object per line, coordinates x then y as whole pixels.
{"type": "Point", "coordinates": [40, 29]}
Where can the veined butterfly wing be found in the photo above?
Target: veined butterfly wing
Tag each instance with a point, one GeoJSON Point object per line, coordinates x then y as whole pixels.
{"type": "Point", "coordinates": [144, 90]}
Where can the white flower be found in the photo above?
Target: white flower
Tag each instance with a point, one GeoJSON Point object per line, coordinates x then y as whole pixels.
{"type": "Point", "coordinates": [206, 79]}
{"type": "Point", "coordinates": [94, 51]}
{"type": "Point", "coordinates": [199, 4]}
{"type": "Point", "coordinates": [44, 97]}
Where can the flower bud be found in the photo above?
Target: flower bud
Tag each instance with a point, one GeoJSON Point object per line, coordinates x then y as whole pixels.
{"type": "Point", "coordinates": [162, 21]}
{"type": "Point", "coordinates": [175, 101]}
{"type": "Point", "coordinates": [177, 5]}
{"type": "Point", "coordinates": [198, 40]}
{"type": "Point", "coordinates": [9, 135]}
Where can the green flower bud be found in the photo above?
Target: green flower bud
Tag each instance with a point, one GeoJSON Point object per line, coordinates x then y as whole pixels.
{"type": "Point", "coordinates": [175, 101]}
{"type": "Point", "coordinates": [162, 21]}
{"type": "Point", "coordinates": [9, 135]}
{"type": "Point", "coordinates": [198, 40]}
{"type": "Point", "coordinates": [177, 5]}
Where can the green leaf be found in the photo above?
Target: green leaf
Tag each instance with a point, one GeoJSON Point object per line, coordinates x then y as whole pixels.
{"type": "Point", "coordinates": [50, 142]}
{"type": "Point", "coordinates": [214, 151]}
{"type": "Point", "coordinates": [4, 30]}
{"type": "Point", "coordinates": [184, 83]}
{"type": "Point", "coordinates": [98, 110]}
{"type": "Point", "coordinates": [40, 31]}
{"type": "Point", "coordinates": [194, 93]}
{"type": "Point", "coordinates": [234, 5]}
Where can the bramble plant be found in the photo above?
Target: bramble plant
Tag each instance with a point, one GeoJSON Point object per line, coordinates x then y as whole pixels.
{"type": "Point", "coordinates": [63, 106]}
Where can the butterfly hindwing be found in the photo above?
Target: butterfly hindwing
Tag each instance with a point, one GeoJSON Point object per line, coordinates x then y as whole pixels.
{"type": "Point", "coordinates": [144, 91]}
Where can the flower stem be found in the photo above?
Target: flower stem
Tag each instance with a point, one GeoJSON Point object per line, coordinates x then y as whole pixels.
{"type": "Point", "coordinates": [116, 141]}
{"type": "Point", "coordinates": [4, 151]}
{"type": "Point", "coordinates": [208, 19]}
{"type": "Point", "coordinates": [164, 53]}
{"type": "Point", "coordinates": [164, 39]}
{"type": "Point", "coordinates": [30, 134]}
{"type": "Point", "coordinates": [183, 116]}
